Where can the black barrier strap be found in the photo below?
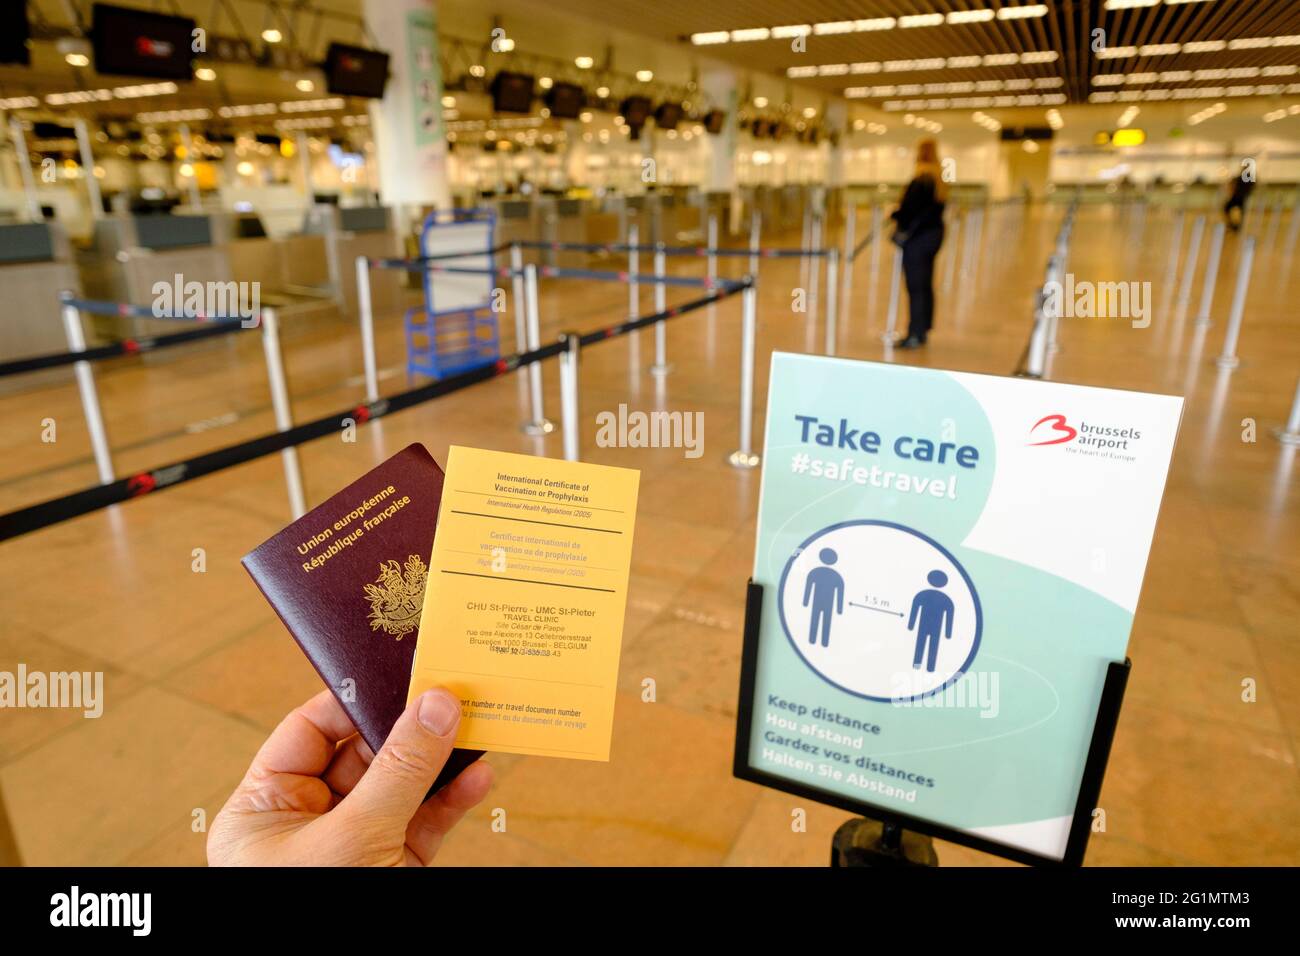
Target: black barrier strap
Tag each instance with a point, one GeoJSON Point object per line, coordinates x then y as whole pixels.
{"type": "Point", "coordinates": [699, 251]}
{"type": "Point", "coordinates": [631, 325]}
{"type": "Point", "coordinates": [124, 347]}
{"type": "Point", "coordinates": [866, 241]}
{"type": "Point", "coordinates": [492, 250]}
{"type": "Point", "coordinates": [78, 503]}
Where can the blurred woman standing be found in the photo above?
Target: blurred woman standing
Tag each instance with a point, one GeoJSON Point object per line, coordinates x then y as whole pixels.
{"type": "Point", "coordinates": [918, 232]}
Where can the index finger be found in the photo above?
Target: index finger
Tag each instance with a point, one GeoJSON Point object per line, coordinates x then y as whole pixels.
{"type": "Point", "coordinates": [305, 740]}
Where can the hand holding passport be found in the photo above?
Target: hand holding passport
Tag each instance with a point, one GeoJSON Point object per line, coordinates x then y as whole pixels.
{"type": "Point", "coordinates": [347, 579]}
{"type": "Point", "coordinates": [521, 619]}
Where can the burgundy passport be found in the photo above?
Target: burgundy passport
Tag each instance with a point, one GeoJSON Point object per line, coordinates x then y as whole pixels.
{"type": "Point", "coordinates": [347, 579]}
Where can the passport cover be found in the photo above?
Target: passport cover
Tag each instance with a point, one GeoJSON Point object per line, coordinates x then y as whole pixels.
{"type": "Point", "coordinates": [347, 579]}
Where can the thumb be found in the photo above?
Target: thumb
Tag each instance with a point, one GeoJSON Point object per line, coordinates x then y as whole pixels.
{"type": "Point", "coordinates": [399, 778]}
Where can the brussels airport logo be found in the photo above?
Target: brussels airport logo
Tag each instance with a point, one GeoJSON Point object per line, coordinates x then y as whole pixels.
{"type": "Point", "coordinates": [207, 300]}
{"type": "Point", "coordinates": [1098, 300]}
{"type": "Point", "coordinates": [1087, 438]}
{"type": "Point", "coordinates": [1052, 430]}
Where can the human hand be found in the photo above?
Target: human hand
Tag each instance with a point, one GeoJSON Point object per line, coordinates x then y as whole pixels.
{"type": "Point", "coordinates": [315, 795]}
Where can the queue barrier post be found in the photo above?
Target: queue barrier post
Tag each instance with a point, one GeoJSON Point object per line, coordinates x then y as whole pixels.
{"type": "Point", "coordinates": [815, 263]}
{"type": "Point", "coordinates": [744, 457]}
{"type": "Point", "coordinates": [538, 424]}
{"type": "Point", "coordinates": [968, 244]}
{"type": "Point", "coordinates": [1036, 360]}
{"type": "Point", "coordinates": [1175, 246]}
{"type": "Point", "coordinates": [1055, 274]}
{"type": "Point", "coordinates": [895, 280]}
{"type": "Point", "coordinates": [832, 307]}
{"type": "Point", "coordinates": [755, 232]}
{"type": "Point", "coordinates": [1228, 359]}
{"type": "Point", "coordinates": [1294, 231]}
{"type": "Point", "coordinates": [979, 236]}
{"type": "Point", "coordinates": [1290, 434]}
{"type": "Point", "coordinates": [661, 366]}
{"type": "Point", "coordinates": [712, 238]}
{"type": "Point", "coordinates": [1189, 266]}
{"type": "Point", "coordinates": [283, 414]}
{"type": "Point", "coordinates": [877, 216]}
{"type": "Point", "coordinates": [950, 267]}
{"type": "Point", "coordinates": [1274, 218]}
{"type": "Point", "coordinates": [367, 319]}
{"type": "Point", "coordinates": [633, 267]}
{"type": "Point", "coordinates": [89, 394]}
{"type": "Point", "coordinates": [569, 394]}
{"type": "Point", "coordinates": [1211, 274]}
{"type": "Point", "coordinates": [850, 227]}
{"type": "Point", "coordinates": [805, 241]}
{"type": "Point", "coordinates": [517, 290]}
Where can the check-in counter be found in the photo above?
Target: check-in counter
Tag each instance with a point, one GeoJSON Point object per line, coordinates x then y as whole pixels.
{"type": "Point", "coordinates": [650, 217]}
{"type": "Point", "coordinates": [131, 255]}
{"type": "Point", "coordinates": [253, 257]}
{"type": "Point", "coordinates": [686, 222]}
{"type": "Point", "coordinates": [561, 220]}
{"type": "Point", "coordinates": [603, 225]}
{"type": "Point", "coordinates": [570, 226]}
{"type": "Point", "coordinates": [791, 207]}
{"type": "Point", "coordinates": [35, 266]}
{"type": "Point", "coordinates": [517, 222]}
{"type": "Point", "coordinates": [286, 265]}
{"type": "Point", "coordinates": [352, 232]}
{"type": "Point", "coordinates": [304, 263]}
{"type": "Point", "coordinates": [715, 203]}
{"type": "Point", "coordinates": [636, 213]}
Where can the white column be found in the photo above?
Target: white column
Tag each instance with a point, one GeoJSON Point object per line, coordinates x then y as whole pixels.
{"type": "Point", "coordinates": [410, 138]}
{"type": "Point", "coordinates": [192, 180]}
{"type": "Point", "coordinates": [25, 168]}
{"type": "Point", "coordinates": [88, 165]}
{"type": "Point", "coordinates": [718, 87]}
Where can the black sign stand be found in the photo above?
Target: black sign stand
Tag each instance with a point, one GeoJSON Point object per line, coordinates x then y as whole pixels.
{"type": "Point", "coordinates": [886, 837]}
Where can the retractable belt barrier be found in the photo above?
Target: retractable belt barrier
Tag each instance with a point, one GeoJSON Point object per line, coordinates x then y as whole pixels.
{"type": "Point", "coordinates": [211, 329]}
{"type": "Point", "coordinates": [700, 251]}
{"type": "Point", "coordinates": [1042, 337]}
{"type": "Point", "coordinates": [555, 272]}
{"type": "Point", "coordinates": [694, 282]}
{"type": "Point", "coordinates": [78, 503]}
{"type": "Point", "coordinates": [128, 310]}
{"type": "Point", "coordinates": [861, 246]}
{"type": "Point", "coordinates": [422, 264]}
{"type": "Point", "coordinates": [501, 247]}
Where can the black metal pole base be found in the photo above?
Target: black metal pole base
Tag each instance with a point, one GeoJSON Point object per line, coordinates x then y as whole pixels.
{"type": "Point", "coordinates": [863, 842]}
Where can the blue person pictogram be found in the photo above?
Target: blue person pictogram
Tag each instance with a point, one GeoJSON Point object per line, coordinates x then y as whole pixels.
{"type": "Point", "coordinates": [826, 589]}
{"type": "Point", "coordinates": [932, 613]}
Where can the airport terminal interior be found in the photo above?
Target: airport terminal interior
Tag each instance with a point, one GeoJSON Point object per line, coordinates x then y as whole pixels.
{"type": "Point", "coordinates": [332, 163]}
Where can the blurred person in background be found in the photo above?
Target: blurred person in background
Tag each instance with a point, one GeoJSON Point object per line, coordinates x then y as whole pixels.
{"type": "Point", "coordinates": [918, 231]}
{"type": "Point", "coordinates": [1234, 210]}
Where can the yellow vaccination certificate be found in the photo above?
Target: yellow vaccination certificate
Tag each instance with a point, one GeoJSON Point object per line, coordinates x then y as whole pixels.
{"type": "Point", "coordinates": [523, 612]}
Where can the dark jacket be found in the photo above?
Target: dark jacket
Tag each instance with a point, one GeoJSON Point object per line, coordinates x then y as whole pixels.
{"type": "Point", "coordinates": [920, 208]}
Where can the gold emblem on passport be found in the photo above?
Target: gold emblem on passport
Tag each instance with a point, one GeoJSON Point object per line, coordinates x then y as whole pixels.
{"type": "Point", "coordinates": [397, 596]}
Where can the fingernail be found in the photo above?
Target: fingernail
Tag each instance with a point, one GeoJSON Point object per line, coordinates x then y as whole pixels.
{"type": "Point", "coordinates": [438, 711]}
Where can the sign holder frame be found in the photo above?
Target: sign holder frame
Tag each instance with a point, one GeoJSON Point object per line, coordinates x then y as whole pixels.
{"type": "Point", "coordinates": [1094, 768]}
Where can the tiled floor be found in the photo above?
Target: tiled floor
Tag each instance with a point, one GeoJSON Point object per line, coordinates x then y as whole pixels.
{"type": "Point", "coordinates": [198, 669]}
